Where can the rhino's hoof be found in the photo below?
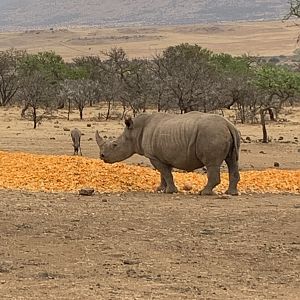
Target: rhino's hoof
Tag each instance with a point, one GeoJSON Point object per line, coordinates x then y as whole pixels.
{"type": "Point", "coordinates": [232, 192]}
{"type": "Point", "coordinates": [161, 189]}
{"type": "Point", "coordinates": [207, 193]}
{"type": "Point", "coordinates": [171, 190]}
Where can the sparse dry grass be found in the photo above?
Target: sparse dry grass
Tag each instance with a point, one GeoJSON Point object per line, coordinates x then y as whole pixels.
{"type": "Point", "coordinates": [254, 38]}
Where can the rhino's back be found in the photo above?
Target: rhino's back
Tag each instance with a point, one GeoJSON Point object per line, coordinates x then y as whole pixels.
{"type": "Point", "coordinates": [186, 141]}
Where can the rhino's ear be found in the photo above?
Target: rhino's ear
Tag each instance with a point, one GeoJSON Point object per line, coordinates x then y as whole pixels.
{"type": "Point", "coordinates": [100, 141]}
{"type": "Point", "coordinates": [128, 122]}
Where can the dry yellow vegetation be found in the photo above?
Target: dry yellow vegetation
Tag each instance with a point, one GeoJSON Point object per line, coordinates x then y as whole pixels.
{"type": "Point", "coordinates": [69, 173]}
{"type": "Point", "coordinates": [270, 38]}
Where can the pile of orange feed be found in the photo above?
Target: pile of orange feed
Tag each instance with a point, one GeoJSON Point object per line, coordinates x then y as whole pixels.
{"type": "Point", "coordinates": [32, 172]}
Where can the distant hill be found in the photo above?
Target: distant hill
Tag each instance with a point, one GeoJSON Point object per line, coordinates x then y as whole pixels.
{"type": "Point", "coordinates": [30, 14]}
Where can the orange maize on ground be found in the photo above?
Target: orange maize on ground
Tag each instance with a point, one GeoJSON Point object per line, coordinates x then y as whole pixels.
{"type": "Point", "coordinates": [32, 172]}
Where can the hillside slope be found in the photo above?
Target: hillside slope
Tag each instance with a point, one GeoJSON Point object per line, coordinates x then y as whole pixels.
{"type": "Point", "coordinates": [26, 14]}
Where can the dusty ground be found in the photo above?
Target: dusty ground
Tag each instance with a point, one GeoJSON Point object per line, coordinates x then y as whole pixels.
{"type": "Point", "coordinates": [148, 246]}
{"type": "Point", "coordinates": [143, 245]}
{"type": "Point", "coordinates": [253, 38]}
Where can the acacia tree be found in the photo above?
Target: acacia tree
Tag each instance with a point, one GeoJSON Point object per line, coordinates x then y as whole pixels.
{"type": "Point", "coordinates": [278, 84]}
{"type": "Point", "coordinates": [157, 93]}
{"type": "Point", "coordinates": [236, 76]}
{"type": "Point", "coordinates": [50, 65]}
{"type": "Point", "coordinates": [9, 74]}
{"type": "Point", "coordinates": [80, 93]}
{"type": "Point", "coordinates": [188, 76]}
{"type": "Point", "coordinates": [294, 9]}
{"type": "Point", "coordinates": [110, 85]}
{"type": "Point", "coordinates": [37, 94]}
{"type": "Point", "coordinates": [117, 67]}
{"type": "Point", "coordinates": [136, 85]}
{"type": "Point", "coordinates": [89, 68]}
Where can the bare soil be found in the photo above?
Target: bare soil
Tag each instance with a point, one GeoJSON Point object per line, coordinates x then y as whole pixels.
{"type": "Point", "coordinates": [148, 246]}
{"type": "Point", "coordinates": [269, 38]}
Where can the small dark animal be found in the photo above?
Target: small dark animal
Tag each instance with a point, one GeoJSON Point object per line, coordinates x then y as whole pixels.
{"type": "Point", "coordinates": [76, 135]}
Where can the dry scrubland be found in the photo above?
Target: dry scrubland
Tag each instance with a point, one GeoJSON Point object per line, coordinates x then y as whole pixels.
{"type": "Point", "coordinates": [143, 245]}
{"type": "Point", "coordinates": [254, 38]}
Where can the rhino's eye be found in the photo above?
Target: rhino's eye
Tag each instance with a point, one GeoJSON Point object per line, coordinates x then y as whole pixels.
{"type": "Point", "coordinates": [114, 145]}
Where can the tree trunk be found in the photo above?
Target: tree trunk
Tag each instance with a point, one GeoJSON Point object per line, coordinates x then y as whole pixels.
{"type": "Point", "coordinates": [158, 106]}
{"type": "Point", "coordinates": [34, 118]}
{"type": "Point", "coordinates": [263, 124]}
{"type": "Point", "coordinates": [61, 104]}
{"type": "Point", "coordinates": [69, 108]}
{"type": "Point", "coordinates": [108, 110]}
{"type": "Point", "coordinates": [243, 114]}
{"type": "Point", "coordinates": [271, 113]}
{"type": "Point", "coordinates": [81, 113]}
{"type": "Point", "coordinates": [124, 111]}
{"type": "Point", "coordinates": [24, 110]}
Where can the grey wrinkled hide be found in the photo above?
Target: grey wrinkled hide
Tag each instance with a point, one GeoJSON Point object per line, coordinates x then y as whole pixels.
{"type": "Point", "coordinates": [76, 135]}
{"type": "Point", "coordinates": [188, 142]}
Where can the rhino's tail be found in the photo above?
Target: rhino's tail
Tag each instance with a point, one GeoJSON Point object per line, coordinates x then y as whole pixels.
{"type": "Point", "coordinates": [236, 137]}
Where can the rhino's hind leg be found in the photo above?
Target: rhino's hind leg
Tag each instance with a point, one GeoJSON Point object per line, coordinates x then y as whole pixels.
{"type": "Point", "coordinates": [163, 185]}
{"type": "Point", "coordinates": [234, 175]}
{"type": "Point", "coordinates": [167, 182]}
{"type": "Point", "coordinates": [213, 175]}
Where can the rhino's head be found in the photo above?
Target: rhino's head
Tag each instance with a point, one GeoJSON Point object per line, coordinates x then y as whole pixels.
{"type": "Point", "coordinates": [119, 149]}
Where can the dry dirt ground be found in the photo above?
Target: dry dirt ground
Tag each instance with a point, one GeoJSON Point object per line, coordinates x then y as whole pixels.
{"type": "Point", "coordinates": [254, 38]}
{"type": "Point", "coordinates": [147, 245]}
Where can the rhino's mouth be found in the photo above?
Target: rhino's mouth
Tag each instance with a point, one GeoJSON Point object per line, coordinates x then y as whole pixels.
{"type": "Point", "coordinates": [104, 158]}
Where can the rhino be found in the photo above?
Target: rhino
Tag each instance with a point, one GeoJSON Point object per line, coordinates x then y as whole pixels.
{"type": "Point", "coordinates": [187, 142]}
{"type": "Point", "coordinates": [76, 136]}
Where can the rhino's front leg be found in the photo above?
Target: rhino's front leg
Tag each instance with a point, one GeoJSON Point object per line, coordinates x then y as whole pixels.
{"type": "Point", "coordinates": [167, 182]}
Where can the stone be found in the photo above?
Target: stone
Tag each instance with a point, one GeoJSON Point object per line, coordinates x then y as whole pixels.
{"type": "Point", "coordinates": [131, 261]}
{"type": "Point", "coordinates": [86, 191]}
{"type": "Point", "coordinates": [66, 129]}
{"type": "Point", "coordinates": [187, 186]}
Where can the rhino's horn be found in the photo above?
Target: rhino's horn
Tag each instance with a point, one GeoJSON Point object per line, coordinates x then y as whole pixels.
{"type": "Point", "coordinates": [100, 141]}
